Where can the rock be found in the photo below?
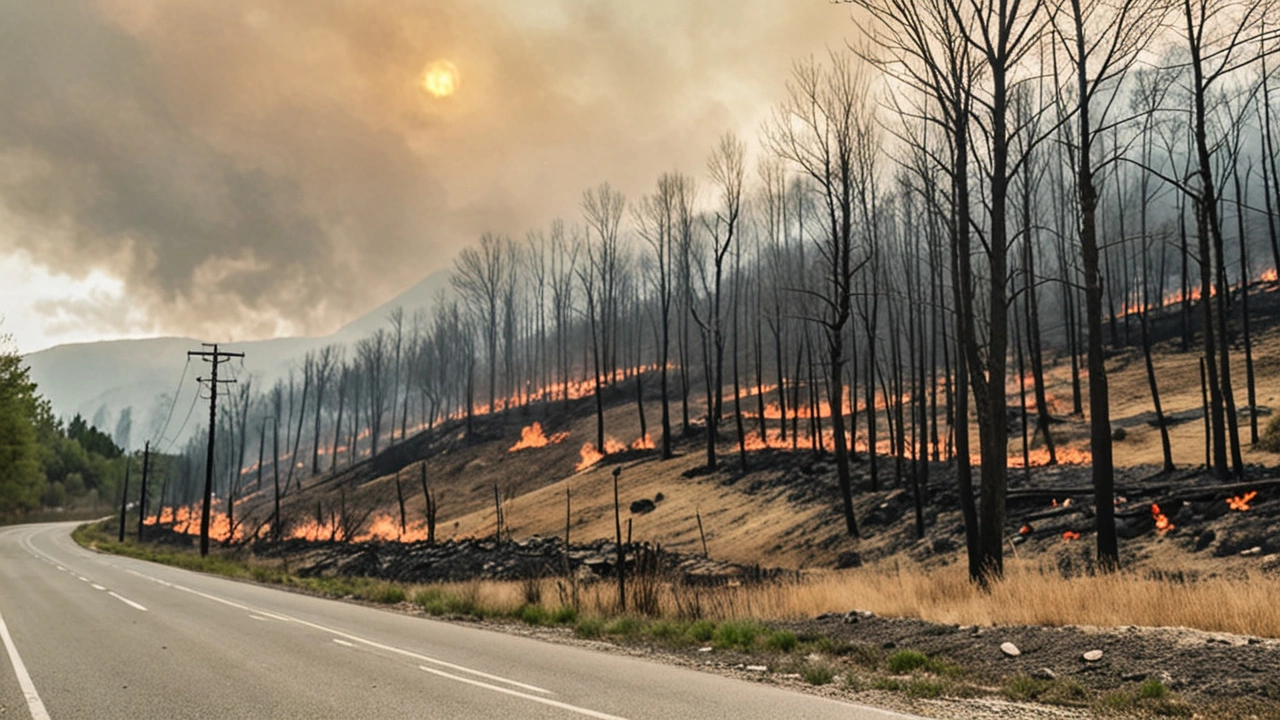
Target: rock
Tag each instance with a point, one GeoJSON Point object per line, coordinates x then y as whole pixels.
{"type": "Point", "coordinates": [705, 649]}
{"type": "Point", "coordinates": [849, 559]}
{"type": "Point", "coordinates": [758, 668]}
{"type": "Point", "coordinates": [1010, 649]}
{"type": "Point", "coordinates": [1134, 677]}
{"type": "Point", "coordinates": [1124, 530]}
{"type": "Point", "coordinates": [1093, 656]}
{"type": "Point", "coordinates": [1168, 680]}
{"type": "Point", "coordinates": [1255, 550]}
{"type": "Point", "coordinates": [854, 616]}
{"type": "Point", "coordinates": [1044, 674]}
{"type": "Point", "coordinates": [642, 506]}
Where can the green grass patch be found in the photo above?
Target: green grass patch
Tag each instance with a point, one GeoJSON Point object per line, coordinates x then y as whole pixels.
{"type": "Point", "coordinates": [589, 628]}
{"type": "Point", "coordinates": [566, 615]}
{"type": "Point", "coordinates": [737, 634]}
{"type": "Point", "coordinates": [625, 627]}
{"type": "Point", "coordinates": [533, 615]}
{"type": "Point", "coordinates": [906, 661]}
{"type": "Point", "coordinates": [782, 641]}
{"type": "Point", "coordinates": [923, 688]}
{"type": "Point", "coordinates": [702, 631]}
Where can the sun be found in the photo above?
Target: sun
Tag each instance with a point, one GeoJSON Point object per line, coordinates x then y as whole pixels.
{"type": "Point", "coordinates": [440, 78]}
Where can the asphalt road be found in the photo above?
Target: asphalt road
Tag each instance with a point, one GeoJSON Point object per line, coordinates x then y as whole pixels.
{"type": "Point", "coordinates": [97, 636]}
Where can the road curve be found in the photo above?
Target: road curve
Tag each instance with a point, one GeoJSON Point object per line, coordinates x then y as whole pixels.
{"type": "Point", "coordinates": [87, 635]}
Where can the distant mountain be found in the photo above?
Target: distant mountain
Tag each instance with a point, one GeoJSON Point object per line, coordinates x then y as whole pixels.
{"type": "Point", "coordinates": [99, 380]}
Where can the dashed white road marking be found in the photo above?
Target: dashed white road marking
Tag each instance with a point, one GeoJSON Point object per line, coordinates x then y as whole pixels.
{"type": "Point", "coordinates": [96, 586]}
{"type": "Point", "coordinates": [126, 600]}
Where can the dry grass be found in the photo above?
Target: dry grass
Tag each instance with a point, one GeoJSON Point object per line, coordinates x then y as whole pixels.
{"type": "Point", "coordinates": [1030, 595]}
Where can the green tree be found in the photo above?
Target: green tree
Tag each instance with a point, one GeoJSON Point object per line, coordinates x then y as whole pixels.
{"type": "Point", "coordinates": [21, 476]}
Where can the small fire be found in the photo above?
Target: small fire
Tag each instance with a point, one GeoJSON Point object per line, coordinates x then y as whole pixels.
{"type": "Point", "coordinates": [1162, 523]}
{"type": "Point", "coordinates": [1241, 502]}
{"type": "Point", "coordinates": [643, 443]}
{"type": "Point", "coordinates": [589, 455]}
{"type": "Point", "coordinates": [1065, 503]}
{"type": "Point", "coordinates": [1024, 530]}
{"type": "Point", "coordinates": [1070, 535]}
{"type": "Point", "coordinates": [1270, 275]}
{"type": "Point", "coordinates": [533, 437]}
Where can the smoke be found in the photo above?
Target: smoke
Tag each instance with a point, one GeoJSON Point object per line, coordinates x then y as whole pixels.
{"type": "Point", "coordinates": [251, 169]}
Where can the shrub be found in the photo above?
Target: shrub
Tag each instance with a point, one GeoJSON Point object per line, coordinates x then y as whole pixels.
{"type": "Point", "coordinates": [817, 674]}
{"type": "Point", "coordinates": [736, 634]}
{"type": "Point", "coordinates": [1270, 440]}
{"type": "Point", "coordinates": [905, 661]}
{"type": "Point", "coordinates": [702, 630]}
{"type": "Point", "coordinates": [922, 688]}
{"type": "Point", "coordinates": [626, 627]}
{"type": "Point", "coordinates": [533, 614]}
{"type": "Point", "coordinates": [588, 628]}
{"type": "Point", "coordinates": [1152, 689]}
{"type": "Point", "coordinates": [566, 615]}
{"type": "Point", "coordinates": [782, 641]}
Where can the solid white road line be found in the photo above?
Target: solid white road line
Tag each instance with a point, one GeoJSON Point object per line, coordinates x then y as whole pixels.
{"type": "Point", "coordinates": [508, 691]}
{"type": "Point", "coordinates": [353, 638]}
{"type": "Point", "coordinates": [344, 643]}
{"type": "Point", "coordinates": [126, 600]}
{"type": "Point", "coordinates": [34, 704]}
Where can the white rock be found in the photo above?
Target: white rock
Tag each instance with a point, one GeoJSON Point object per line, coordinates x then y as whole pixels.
{"type": "Point", "coordinates": [758, 668]}
{"type": "Point", "coordinates": [1093, 656]}
{"type": "Point", "coordinates": [705, 649]}
{"type": "Point", "coordinates": [1010, 649]}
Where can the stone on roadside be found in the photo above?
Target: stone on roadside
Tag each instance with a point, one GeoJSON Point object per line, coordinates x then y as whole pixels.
{"type": "Point", "coordinates": [1093, 656]}
{"type": "Point", "coordinates": [1044, 674]}
{"type": "Point", "coordinates": [1010, 649]}
{"type": "Point", "coordinates": [758, 668]}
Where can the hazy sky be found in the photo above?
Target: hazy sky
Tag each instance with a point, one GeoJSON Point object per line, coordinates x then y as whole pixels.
{"type": "Point", "coordinates": [238, 170]}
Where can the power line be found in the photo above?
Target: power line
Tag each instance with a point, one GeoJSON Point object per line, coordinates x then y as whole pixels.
{"type": "Point", "coordinates": [194, 399]}
{"type": "Point", "coordinates": [160, 435]}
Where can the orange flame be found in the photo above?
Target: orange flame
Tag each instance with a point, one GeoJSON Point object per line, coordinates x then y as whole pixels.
{"type": "Point", "coordinates": [1162, 523]}
{"type": "Point", "coordinates": [1024, 530]}
{"type": "Point", "coordinates": [1241, 502]}
{"type": "Point", "coordinates": [643, 443]}
{"type": "Point", "coordinates": [533, 437]}
{"type": "Point", "coordinates": [1070, 535]}
{"type": "Point", "coordinates": [589, 455]}
{"type": "Point", "coordinates": [1270, 275]}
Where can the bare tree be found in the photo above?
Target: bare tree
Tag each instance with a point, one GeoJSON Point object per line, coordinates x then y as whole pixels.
{"type": "Point", "coordinates": [826, 130]}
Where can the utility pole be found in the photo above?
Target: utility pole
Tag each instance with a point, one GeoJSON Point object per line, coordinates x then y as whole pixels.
{"type": "Point", "coordinates": [124, 496]}
{"type": "Point", "coordinates": [142, 499]}
{"type": "Point", "coordinates": [214, 357]}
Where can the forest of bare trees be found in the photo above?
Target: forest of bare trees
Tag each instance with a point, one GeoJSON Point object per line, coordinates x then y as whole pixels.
{"type": "Point", "coordinates": [972, 195]}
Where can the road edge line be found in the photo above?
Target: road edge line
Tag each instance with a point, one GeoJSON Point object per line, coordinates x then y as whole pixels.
{"type": "Point", "coordinates": [34, 704]}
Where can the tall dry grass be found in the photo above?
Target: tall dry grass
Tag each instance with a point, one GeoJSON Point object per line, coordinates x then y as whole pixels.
{"type": "Point", "coordinates": [1030, 594]}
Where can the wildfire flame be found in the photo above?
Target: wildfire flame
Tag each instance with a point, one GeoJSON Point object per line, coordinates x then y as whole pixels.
{"type": "Point", "coordinates": [1270, 275]}
{"type": "Point", "coordinates": [1162, 523]}
{"type": "Point", "coordinates": [589, 455]}
{"type": "Point", "coordinates": [1241, 502]}
{"type": "Point", "coordinates": [1070, 535]}
{"type": "Point", "coordinates": [1024, 530]}
{"type": "Point", "coordinates": [533, 437]}
{"type": "Point", "coordinates": [643, 443]}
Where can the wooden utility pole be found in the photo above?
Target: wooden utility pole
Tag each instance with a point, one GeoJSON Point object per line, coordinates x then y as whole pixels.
{"type": "Point", "coordinates": [214, 357]}
{"type": "Point", "coordinates": [124, 495]}
{"type": "Point", "coordinates": [142, 498]}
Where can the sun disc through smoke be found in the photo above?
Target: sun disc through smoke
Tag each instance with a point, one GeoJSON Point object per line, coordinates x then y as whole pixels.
{"type": "Point", "coordinates": [440, 79]}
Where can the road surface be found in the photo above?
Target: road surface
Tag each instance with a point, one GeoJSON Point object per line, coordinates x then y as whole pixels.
{"type": "Point", "coordinates": [97, 636]}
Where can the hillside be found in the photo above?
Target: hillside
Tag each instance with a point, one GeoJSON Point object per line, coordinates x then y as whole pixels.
{"type": "Point", "coordinates": [103, 378]}
{"type": "Point", "coordinates": [782, 511]}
